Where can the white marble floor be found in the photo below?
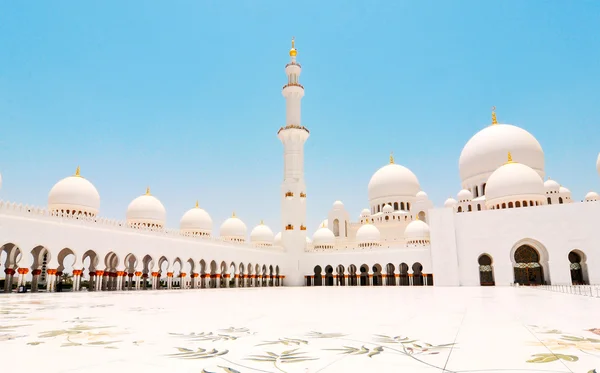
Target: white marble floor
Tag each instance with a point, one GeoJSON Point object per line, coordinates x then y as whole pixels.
{"type": "Point", "coordinates": [299, 330]}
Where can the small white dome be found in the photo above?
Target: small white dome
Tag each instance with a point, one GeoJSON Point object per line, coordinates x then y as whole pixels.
{"type": "Point", "coordinates": [368, 234]}
{"type": "Point", "coordinates": [233, 229]}
{"type": "Point", "coordinates": [464, 195]}
{"type": "Point", "coordinates": [74, 194]}
{"type": "Point", "coordinates": [417, 232]}
{"type": "Point", "coordinates": [278, 240]}
{"type": "Point", "coordinates": [421, 195]}
{"type": "Point", "coordinates": [365, 213]}
{"type": "Point", "coordinates": [196, 221]}
{"type": "Point", "coordinates": [391, 181]}
{"type": "Point", "coordinates": [450, 202]}
{"type": "Point", "coordinates": [486, 151]}
{"type": "Point", "coordinates": [564, 191]}
{"type": "Point", "coordinates": [262, 234]}
{"type": "Point", "coordinates": [514, 180]}
{"type": "Point", "coordinates": [592, 197]}
{"type": "Point", "coordinates": [338, 205]}
{"type": "Point", "coordinates": [551, 186]}
{"type": "Point", "coordinates": [146, 211]}
{"type": "Point", "coordinates": [388, 209]}
{"type": "Point", "coordinates": [323, 237]}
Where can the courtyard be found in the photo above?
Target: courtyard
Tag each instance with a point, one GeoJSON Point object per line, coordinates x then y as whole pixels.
{"type": "Point", "coordinates": [322, 329]}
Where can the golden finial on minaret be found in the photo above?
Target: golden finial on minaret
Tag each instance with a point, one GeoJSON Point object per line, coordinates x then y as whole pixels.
{"type": "Point", "coordinates": [392, 158]}
{"type": "Point", "coordinates": [293, 51]}
{"type": "Point", "coordinates": [147, 191]}
{"type": "Point", "coordinates": [197, 205]}
{"type": "Point", "coordinates": [78, 172]}
{"type": "Point", "coordinates": [509, 158]}
{"type": "Point", "coordinates": [494, 121]}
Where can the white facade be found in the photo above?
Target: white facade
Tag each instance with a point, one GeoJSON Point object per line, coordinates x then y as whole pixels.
{"type": "Point", "coordinates": [506, 225]}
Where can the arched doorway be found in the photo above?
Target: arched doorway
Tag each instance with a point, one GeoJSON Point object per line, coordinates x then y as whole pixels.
{"type": "Point", "coordinates": [341, 278]}
{"type": "Point", "coordinates": [578, 268]}
{"type": "Point", "coordinates": [528, 270]}
{"type": "Point", "coordinates": [364, 275]}
{"type": "Point", "coordinates": [486, 271]}
{"type": "Point", "coordinates": [390, 274]}
{"type": "Point", "coordinates": [318, 279]}
{"type": "Point", "coordinates": [329, 276]}
{"type": "Point", "coordinates": [377, 277]}
{"type": "Point", "coordinates": [417, 274]}
{"type": "Point", "coordinates": [404, 274]}
{"type": "Point", "coordinates": [352, 281]}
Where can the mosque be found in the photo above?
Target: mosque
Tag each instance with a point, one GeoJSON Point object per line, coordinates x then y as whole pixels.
{"type": "Point", "coordinates": [507, 225]}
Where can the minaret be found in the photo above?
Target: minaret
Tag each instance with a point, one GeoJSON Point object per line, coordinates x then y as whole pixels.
{"type": "Point", "coordinates": [293, 190]}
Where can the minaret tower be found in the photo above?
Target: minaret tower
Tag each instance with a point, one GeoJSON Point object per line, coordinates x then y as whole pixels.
{"type": "Point", "coordinates": [293, 190]}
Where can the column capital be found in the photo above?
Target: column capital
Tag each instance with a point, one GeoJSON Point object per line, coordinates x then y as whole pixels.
{"type": "Point", "coordinates": [137, 273]}
{"type": "Point", "coordinates": [169, 274]}
{"type": "Point", "coordinates": [23, 271]}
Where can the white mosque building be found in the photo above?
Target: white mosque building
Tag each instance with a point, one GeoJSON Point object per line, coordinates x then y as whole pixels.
{"type": "Point", "coordinates": [507, 225]}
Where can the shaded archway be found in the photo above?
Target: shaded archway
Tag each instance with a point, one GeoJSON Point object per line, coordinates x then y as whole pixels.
{"type": "Point", "coordinates": [341, 276]}
{"type": "Point", "coordinates": [148, 267]}
{"type": "Point", "coordinates": [417, 274]}
{"type": "Point", "coordinates": [163, 269]}
{"type": "Point", "coordinates": [318, 281]}
{"type": "Point", "coordinates": [203, 273]}
{"type": "Point", "coordinates": [527, 268]}
{"type": "Point", "coordinates": [352, 281]}
{"type": "Point", "coordinates": [486, 271]}
{"type": "Point", "coordinates": [64, 272]}
{"type": "Point", "coordinates": [241, 274]}
{"type": "Point", "coordinates": [377, 277]}
{"type": "Point", "coordinates": [213, 275]}
{"type": "Point", "coordinates": [329, 276]}
{"type": "Point", "coordinates": [364, 275]}
{"type": "Point", "coordinates": [578, 267]}
{"type": "Point", "coordinates": [390, 274]}
{"type": "Point", "coordinates": [404, 278]}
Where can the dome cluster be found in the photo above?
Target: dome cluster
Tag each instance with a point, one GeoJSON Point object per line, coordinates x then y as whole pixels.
{"type": "Point", "coordinates": [75, 195]}
{"type": "Point", "coordinates": [417, 233]}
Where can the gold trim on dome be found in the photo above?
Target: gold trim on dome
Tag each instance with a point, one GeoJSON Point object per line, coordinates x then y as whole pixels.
{"type": "Point", "coordinates": [262, 222]}
{"type": "Point", "coordinates": [197, 205]}
{"type": "Point", "coordinates": [392, 158]}
{"type": "Point", "coordinates": [233, 215]}
{"type": "Point", "coordinates": [494, 120]}
{"type": "Point", "coordinates": [78, 172]}
{"type": "Point", "coordinates": [148, 191]}
{"type": "Point", "coordinates": [510, 160]}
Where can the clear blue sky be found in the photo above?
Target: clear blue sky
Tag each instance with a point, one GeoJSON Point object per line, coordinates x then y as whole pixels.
{"type": "Point", "coordinates": [185, 96]}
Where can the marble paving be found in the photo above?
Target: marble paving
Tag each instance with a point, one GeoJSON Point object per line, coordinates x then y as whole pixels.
{"type": "Point", "coordinates": [300, 330]}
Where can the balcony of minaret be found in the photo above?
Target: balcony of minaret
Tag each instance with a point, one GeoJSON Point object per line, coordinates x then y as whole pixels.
{"type": "Point", "coordinates": [293, 64]}
{"type": "Point", "coordinates": [293, 85]}
{"type": "Point", "coordinates": [289, 227]}
{"type": "Point", "coordinates": [293, 126]}
{"type": "Point", "coordinates": [302, 228]}
{"type": "Point", "coordinates": [289, 195]}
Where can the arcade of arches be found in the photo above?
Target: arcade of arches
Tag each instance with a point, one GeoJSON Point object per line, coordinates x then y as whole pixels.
{"type": "Point", "coordinates": [63, 272]}
{"type": "Point", "coordinates": [374, 276]}
{"type": "Point", "coordinates": [529, 269]}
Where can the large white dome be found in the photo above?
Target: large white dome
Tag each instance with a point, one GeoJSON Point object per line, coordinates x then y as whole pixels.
{"type": "Point", "coordinates": [146, 211]}
{"type": "Point", "coordinates": [196, 221]}
{"type": "Point", "coordinates": [233, 229]}
{"type": "Point", "coordinates": [74, 194]}
{"type": "Point", "coordinates": [514, 181]}
{"type": "Point", "coordinates": [323, 237]}
{"type": "Point", "coordinates": [368, 234]}
{"type": "Point", "coordinates": [486, 151]}
{"type": "Point", "coordinates": [391, 181]}
{"type": "Point", "coordinates": [417, 232]}
{"type": "Point", "coordinates": [262, 234]}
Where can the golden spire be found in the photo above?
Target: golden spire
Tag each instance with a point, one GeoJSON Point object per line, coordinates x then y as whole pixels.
{"type": "Point", "coordinates": [293, 51]}
{"type": "Point", "coordinates": [147, 191]}
{"type": "Point", "coordinates": [197, 205]}
{"type": "Point", "coordinates": [494, 121]}
{"type": "Point", "coordinates": [392, 158]}
{"type": "Point", "coordinates": [417, 217]}
{"type": "Point", "coordinates": [233, 215]}
{"type": "Point", "coordinates": [262, 222]}
{"type": "Point", "coordinates": [509, 158]}
{"type": "Point", "coordinates": [323, 225]}
{"type": "Point", "coordinates": [78, 172]}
